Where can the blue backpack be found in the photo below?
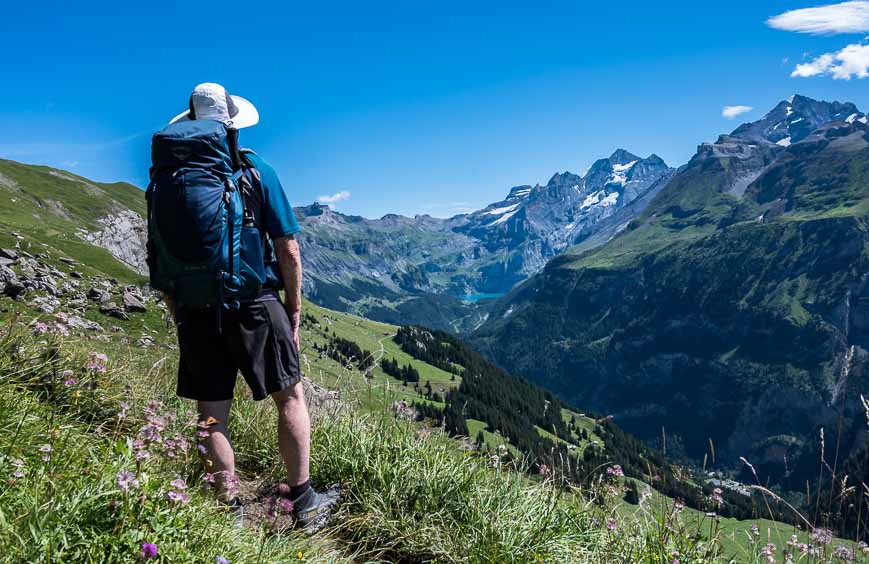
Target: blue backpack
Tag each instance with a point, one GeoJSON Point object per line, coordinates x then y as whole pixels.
{"type": "Point", "coordinates": [203, 250]}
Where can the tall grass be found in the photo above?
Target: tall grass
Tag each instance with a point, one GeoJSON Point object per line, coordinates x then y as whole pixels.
{"type": "Point", "coordinates": [74, 489]}
{"type": "Point", "coordinates": [77, 489]}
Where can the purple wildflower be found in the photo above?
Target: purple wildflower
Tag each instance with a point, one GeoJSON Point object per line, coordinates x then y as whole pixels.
{"type": "Point", "coordinates": [283, 489]}
{"type": "Point", "coordinates": [611, 524]}
{"type": "Point", "coordinates": [127, 480]}
{"type": "Point", "coordinates": [18, 464]}
{"type": "Point", "coordinates": [202, 449]}
{"type": "Point", "coordinates": [152, 407]}
{"type": "Point", "coordinates": [209, 478]}
{"type": "Point", "coordinates": [178, 484]}
{"type": "Point", "coordinates": [46, 452]}
{"type": "Point", "coordinates": [97, 361]}
{"type": "Point", "coordinates": [822, 536]}
{"type": "Point", "coordinates": [221, 560]}
{"type": "Point", "coordinates": [286, 505]}
{"type": "Point", "coordinates": [40, 328]}
{"type": "Point", "coordinates": [844, 553]}
{"type": "Point", "coordinates": [149, 550]}
{"type": "Point", "coordinates": [717, 498]}
{"type": "Point", "coordinates": [615, 470]}
{"type": "Point", "coordinates": [179, 497]}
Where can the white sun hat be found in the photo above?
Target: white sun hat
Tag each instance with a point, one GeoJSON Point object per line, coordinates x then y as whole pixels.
{"type": "Point", "coordinates": [211, 101]}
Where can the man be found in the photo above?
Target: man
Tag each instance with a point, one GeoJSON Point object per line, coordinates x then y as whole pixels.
{"type": "Point", "coordinates": [260, 336]}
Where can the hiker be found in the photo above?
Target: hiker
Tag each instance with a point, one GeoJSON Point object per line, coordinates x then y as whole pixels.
{"type": "Point", "coordinates": [221, 244]}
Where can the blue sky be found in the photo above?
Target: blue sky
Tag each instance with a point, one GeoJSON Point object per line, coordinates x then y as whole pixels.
{"type": "Point", "coordinates": [409, 107]}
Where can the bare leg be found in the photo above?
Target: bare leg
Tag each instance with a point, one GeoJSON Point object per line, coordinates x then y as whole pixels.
{"type": "Point", "coordinates": [220, 460]}
{"type": "Point", "coordinates": [294, 433]}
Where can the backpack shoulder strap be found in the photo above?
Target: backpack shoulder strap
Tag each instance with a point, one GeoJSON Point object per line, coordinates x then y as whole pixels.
{"type": "Point", "coordinates": [254, 196]}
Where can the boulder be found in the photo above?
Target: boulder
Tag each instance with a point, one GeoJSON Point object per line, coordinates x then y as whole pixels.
{"type": "Point", "coordinates": [113, 310]}
{"type": "Point", "coordinates": [8, 254]}
{"type": "Point", "coordinates": [133, 300]}
{"type": "Point", "coordinates": [10, 285]}
{"type": "Point", "coordinates": [98, 295]}
{"type": "Point", "coordinates": [48, 284]}
{"type": "Point", "coordinates": [77, 322]}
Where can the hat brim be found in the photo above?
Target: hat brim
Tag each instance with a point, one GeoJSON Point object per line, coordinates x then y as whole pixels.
{"type": "Point", "coordinates": [247, 115]}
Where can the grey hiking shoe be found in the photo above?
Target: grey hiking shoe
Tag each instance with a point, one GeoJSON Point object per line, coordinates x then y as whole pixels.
{"type": "Point", "coordinates": [313, 509]}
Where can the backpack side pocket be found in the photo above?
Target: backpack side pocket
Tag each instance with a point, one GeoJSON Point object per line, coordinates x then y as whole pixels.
{"type": "Point", "coordinates": [252, 268]}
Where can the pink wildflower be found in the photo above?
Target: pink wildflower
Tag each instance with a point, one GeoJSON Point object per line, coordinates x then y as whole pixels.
{"type": "Point", "coordinates": [127, 480]}
{"type": "Point", "coordinates": [822, 536]}
{"type": "Point", "coordinates": [179, 497]}
{"type": "Point", "coordinates": [611, 524]}
{"type": "Point", "coordinates": [178, 484]}
{"type": "Point", "coordinates": [615, 470]}
{"type": "Point", "coordinates": [97, 361]}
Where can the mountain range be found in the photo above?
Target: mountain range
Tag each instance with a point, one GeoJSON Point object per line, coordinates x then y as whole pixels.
{"type": "Point", "coordinates": [733, 311]}
{"type": "Point", "coordinates": [426, 269]}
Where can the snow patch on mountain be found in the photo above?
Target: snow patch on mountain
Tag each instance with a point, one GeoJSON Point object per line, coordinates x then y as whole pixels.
{"type": "Point", "coordinates": [499, 211]}
{"type": "Point", "coordinates": [502, 219]}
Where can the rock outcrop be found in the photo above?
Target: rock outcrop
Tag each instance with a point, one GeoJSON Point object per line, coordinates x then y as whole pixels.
{"type": "Point", "coordinates": [124, 234]}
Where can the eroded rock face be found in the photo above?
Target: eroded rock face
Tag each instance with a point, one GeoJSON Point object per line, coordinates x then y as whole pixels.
{"type": "Point", "coordinates": [125, 235]}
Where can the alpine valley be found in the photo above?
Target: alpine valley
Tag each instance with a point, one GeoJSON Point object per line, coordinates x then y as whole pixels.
{"type": "Point", "coordinates": [427, 270]}
{"type": "Point", "coordinates": [718, 309]}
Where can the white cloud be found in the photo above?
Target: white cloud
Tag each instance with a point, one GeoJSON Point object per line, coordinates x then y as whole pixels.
{"type": "Point", "coordinates": [850, 62]}
{"type": "Point", "coordinates": [845, 17]}
{"type": "Point", "coordinates": [334, 198]}
{"type": "Point", "coordinates": [731, 112]}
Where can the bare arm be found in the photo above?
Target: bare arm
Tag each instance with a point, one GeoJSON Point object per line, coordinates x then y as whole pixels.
{"type": "Point", "coordinates": [290, 263]}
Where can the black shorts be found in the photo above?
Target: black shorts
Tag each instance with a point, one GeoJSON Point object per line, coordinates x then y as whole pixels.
{"type": "Point", "coordinates": [256, 339]}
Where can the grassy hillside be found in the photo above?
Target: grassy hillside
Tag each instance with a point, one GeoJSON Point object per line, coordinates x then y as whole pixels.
{"type": "Point", "coordinates": [413, 494]}
{"type": "Point", "coordinates": [53, 209]}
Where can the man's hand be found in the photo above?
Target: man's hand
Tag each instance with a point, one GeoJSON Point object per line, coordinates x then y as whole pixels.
{"type": "Point", "coordinates": [290, 262]}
